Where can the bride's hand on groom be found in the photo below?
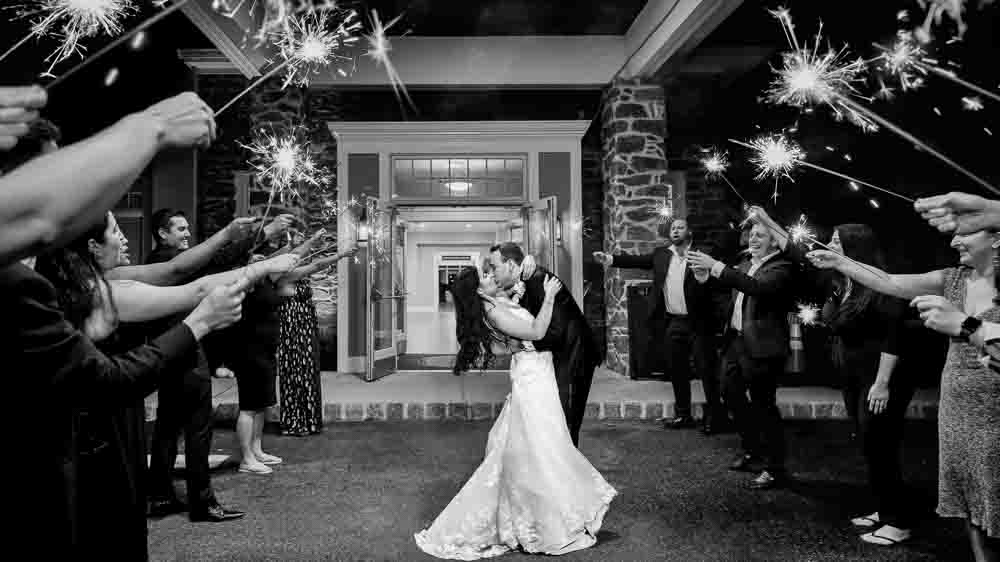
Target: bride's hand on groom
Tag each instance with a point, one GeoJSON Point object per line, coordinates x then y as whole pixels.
{"type": "Point", "coordinates": [552, 286]}
{"type": "Point", "coordinates": [528, 267]}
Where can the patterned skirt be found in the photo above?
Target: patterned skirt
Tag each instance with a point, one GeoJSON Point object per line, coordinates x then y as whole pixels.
{"type": "Point", "coordinates": [298, 365]}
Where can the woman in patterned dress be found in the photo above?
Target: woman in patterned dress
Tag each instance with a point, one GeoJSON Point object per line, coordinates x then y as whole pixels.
{"type": "Point", "coordinates": [298, 350]}
{"type": "Point", "coordinates": [969, 409]}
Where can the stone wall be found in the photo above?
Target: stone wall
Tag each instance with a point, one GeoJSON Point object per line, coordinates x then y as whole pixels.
{"type": "Point", "coordinates": [636, 189]}
{"type": "Point", "coordinates": [714, 211]}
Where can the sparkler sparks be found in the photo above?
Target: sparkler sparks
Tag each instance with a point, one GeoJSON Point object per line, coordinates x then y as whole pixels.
{"type": "Point", "coordinates": [310, 44]}
{"type": "Point", "coordinates": [972, 103]}
{"type": "Point", "coordinates": [808, 313]}
{"type": "Point", "coordinates": [282, 162]}
{"type": "Point", "coordinates": [801, 233]}
{"type": "Point", "coordinates": [379, 49]}
{"type": "Point", "coordinates": [908, 61]}
{"type": "Point", "coordinates": [715, 165]}
{"type": "Point", "coordinates": [71, 21]}
{"type": "Point", "coordinates": [808, 77]}
{"type": "Point", "coordinates": [774, 156]}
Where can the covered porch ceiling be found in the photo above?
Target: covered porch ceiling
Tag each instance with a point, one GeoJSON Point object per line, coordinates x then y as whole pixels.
{"type": "Point", "coordinates": [494, 43]}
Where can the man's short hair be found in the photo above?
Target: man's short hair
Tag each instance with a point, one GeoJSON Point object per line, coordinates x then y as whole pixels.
{"type": "Point", "coordinates": [509, 251]}
{"type": "Point", "coordinates": [161, 219]}
{"type": "Point", "coordinates": [40, 132]}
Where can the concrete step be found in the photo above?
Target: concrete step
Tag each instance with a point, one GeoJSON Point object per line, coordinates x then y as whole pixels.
{"type": "Point", "coordinates": [480, 396]}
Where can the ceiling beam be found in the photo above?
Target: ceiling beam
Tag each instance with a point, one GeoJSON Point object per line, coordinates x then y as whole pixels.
{"type": "Point", "coordinates": [666, 31]}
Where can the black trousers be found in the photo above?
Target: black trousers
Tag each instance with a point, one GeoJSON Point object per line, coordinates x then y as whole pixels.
{"type": "Point", "coordinates": [757, 418]}
{"type": "Point", "coordinates": [881, 438]}
{"type": "Point", "coordinates": [185, 404]}
{"type": "Point", "coordinates": [684, 338]}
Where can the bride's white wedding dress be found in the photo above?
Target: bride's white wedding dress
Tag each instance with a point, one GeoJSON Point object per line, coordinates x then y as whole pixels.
{"type": "Point", "coordinates": [534, 489]}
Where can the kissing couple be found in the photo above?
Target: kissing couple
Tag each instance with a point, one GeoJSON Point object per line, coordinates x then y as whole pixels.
{"type": "Point", "coordinates": [534, 490]}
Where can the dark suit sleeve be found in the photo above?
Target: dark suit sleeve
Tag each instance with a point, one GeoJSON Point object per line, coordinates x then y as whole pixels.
{"type": "Point", "coordinates": [535, 287]}
{"type": "Point", "coordinates": [73, 365]}
{"type": "Point", "coordinates": [771, 280]}
{"type": "Point", "coordinates": [644, 261]}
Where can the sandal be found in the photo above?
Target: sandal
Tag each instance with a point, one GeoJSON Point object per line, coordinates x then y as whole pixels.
{"type": "Point", "coordinates": [883, 540]}
{"type": "Point", "coordinates": [255, 469]}
{"type": "Point", "coordinates": [269, 459]}
{"type": "Point", "coordinates": [866, 520]}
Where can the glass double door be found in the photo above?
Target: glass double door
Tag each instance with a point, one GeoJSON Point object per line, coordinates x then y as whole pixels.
{"type": "Point", "coordinates": [382, 249]}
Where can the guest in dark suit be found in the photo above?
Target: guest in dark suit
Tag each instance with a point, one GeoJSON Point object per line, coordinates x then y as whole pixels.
{"type": "Point", "coordinates": [574, 353]}
{"type": "Point", "coordinates": [681, 315]}
{"type": "Point", "coordinates": [72, 374]}
{"type": "Point", "coordinates": [755, 347]}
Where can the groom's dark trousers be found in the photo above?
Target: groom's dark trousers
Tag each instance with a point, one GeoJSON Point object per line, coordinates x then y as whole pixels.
{"type": "Point", "coordinates": [575, 355]}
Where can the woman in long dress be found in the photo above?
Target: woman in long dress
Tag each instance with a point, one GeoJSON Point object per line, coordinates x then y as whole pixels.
{"type": "Point", "coordinates": [969, 409]}
{"type": "Point", "coordinates": [534, 490]}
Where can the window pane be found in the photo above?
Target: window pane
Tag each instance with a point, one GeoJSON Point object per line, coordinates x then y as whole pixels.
{"type": "Point", "coordinates": [459, 168]}
{"type": "Point", "coordinates": [495, 168]}
{"type": "Point", "coordinates": [514, 168]}
{"type": "Point", "coordinates": [404, 167]}
{"type": "Point", "coordinates": [440, 169]}
{"type": "Point", "coordinates": [477, 189]}
{"type": "Point", "coordinates": [477, 168]}
{"type": "Point", "coordinates": [421, 168]}
{"type": "Point", "coordinates": [516, 188]}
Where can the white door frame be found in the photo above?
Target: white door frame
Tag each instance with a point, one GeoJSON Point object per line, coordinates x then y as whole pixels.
{"type": "Point", "coordinates": [458, 137]}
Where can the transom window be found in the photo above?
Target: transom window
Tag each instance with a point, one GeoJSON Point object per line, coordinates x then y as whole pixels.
{"type": "Point", "coordinates": [462, 178]}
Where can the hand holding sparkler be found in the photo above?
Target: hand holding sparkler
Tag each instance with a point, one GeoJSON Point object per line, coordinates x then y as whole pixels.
{"type": "Point", "coordinates": [940, 314]}
{"type": "Point", "coordinates": [701, 261]}
{"type": "Point", "coordinates": [958, 212]}
{"type": "Point", "coordinates": [604, 258]}
{"type": "Point", "coordinates": [185, 121]}
{"type": "Point", "coordinates": [18, 105]}
{"type": "Point", "coordinates": [278, 226]}
{"type": "Point", "coordinates": [240, 228]}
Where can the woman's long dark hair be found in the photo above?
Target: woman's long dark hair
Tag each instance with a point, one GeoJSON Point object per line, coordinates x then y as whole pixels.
{"type": "Point", "coordinates": [77, 276]}
{"type": "Point", "coordinates": [475, 338]}
{"type": "Point", "coordinates": [860, 244]}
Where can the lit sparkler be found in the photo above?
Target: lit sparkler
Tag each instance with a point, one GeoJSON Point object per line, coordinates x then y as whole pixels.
{"type": "Point", "coordinates": [776, 156]}
{"type": "Point", "coordinates": [808, 78]}
{"type": "Point", "coordinates": [283, 162]}
{"type": "Point", "coordinates": [808, 313]}
{"type": "Point", "coordinates": [715, 165]}
{"type": "Point", "coordinates": [71, 21]}
{"type": "Point", "coordinates": [309, 43]}
{"type": "Point", "coordinates": [972, 103]}
{"type": "Point", "coordinates": [379, 49]}
{"type": "Point", "coordinates": [909, 61]}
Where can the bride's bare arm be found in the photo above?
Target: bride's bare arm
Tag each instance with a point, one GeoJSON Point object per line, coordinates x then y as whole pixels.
{"type": "Point", "coordinates": [521, 328]}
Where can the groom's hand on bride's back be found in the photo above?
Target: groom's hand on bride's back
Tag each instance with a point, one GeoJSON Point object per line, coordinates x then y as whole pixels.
{"type": "Point", "coordinates": [528, 267]}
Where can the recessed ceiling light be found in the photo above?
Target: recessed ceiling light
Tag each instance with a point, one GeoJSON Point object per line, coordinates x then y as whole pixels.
{"type": "Point", "coordinates": [467, 225]}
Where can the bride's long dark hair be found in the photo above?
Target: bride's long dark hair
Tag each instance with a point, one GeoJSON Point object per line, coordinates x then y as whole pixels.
{"type": "Point", "coordinates": [475, 337]}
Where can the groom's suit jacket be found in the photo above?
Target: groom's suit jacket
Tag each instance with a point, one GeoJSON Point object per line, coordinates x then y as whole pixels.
{"type": "Point", "coordinates": [568, 324]}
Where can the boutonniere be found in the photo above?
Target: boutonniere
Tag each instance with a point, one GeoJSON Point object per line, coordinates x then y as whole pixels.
{"type": "Point", "coordinates": [517, 292]}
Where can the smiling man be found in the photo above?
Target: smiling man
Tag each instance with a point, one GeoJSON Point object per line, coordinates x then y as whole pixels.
{"type": "Point", "coordinates": [173, 233]}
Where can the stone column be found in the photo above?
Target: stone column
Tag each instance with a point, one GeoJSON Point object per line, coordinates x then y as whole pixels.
{"type": "Point", "coordinates": [636, 188]}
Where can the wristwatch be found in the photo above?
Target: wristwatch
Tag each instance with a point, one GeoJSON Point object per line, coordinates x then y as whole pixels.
{"type": "Point", "coordinates": [969, 327]}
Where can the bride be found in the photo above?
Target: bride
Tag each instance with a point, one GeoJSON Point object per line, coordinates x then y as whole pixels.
{"type": "Point", "coordinates": [534, 490]}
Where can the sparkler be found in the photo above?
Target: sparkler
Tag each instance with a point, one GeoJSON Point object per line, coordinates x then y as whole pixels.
{"type": "Point", "coordinates": [73, 20]}
{"type": "Point", "coordinates": [808, 313]}
{"type": "Point", "coordinates": [379, 48]}
{"type": "Point", "coordinates": [808, 78]}
{"type": "Point", "coordinates": [776, 156]}
{"type": "Point", "coordinates": [282, 162]}
{"type": "Point", "coordinates": [800, 233]}
{"type": "Point", "coordinates": [308, 44]}
{"type": "Point", "coordinates": [908, 60]}
{"type": "Point", "coordinates": [110, 46]}
{"type": "Point", "coordinates": [715, 165]}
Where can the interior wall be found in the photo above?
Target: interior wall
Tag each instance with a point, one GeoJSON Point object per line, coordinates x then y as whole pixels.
{"type": "Point", "coordinates": [422, 249]}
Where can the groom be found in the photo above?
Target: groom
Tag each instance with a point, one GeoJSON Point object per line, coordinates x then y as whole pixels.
{"type": "Point", "coordinates": [574, 353]}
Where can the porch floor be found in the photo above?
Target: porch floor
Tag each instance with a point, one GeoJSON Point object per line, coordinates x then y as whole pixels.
{"type": "Point", "coordinates": [475, 396]}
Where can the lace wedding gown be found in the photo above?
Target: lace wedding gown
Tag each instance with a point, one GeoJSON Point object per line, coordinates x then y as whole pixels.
{"type": "Point", "coordinates": [534, 489]}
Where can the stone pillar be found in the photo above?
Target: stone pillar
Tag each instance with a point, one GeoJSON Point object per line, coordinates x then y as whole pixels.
{"type": "Point", "coordinates": [636, 187]}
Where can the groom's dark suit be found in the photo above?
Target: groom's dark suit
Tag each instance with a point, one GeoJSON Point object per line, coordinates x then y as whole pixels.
{"type": "Point", "coordinates": [574, 353]}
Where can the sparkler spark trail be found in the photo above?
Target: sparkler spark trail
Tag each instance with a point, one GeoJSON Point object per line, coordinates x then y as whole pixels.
{"type": "Point", "coordinates": [775, 156]}
{"type": "Point", "coordinates": [715, 165]}
{"type": "Point", "coordinates": [768, 153]}
{"type": "Point", "coordinates": [110, 46]}
{"type": "Point", "coordinates": [800, 233]}
{"type": "Point", "coordinates": [972, 103]}
{"type": "Point", "coordinates": [71, 21]}
{"type": "Point", "coordinates": [808, 77]}
{"type": "Point", "coordinates": [379, 48]}
{"type": "Point", "coordinates": [808, 313]}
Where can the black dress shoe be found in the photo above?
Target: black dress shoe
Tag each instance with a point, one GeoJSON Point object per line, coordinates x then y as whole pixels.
{"type": "Point", "coordinates": [215, 514]}
{"type": "Point", "coordinates": [744, 463]}
{"type": "Point", "coordinates": [680, 422]}
{"type": "Point", "coordinates": [163, 508]}
{"type": "Point", "coordinates": [768, 480]}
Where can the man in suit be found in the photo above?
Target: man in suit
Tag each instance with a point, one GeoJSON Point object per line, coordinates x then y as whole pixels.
{"type": "Point", "coordinates": [681, 315]}
{"type": "Point", "coordinates": [756, 346]}
{"type": "Point", "coordinates": [574, 353]}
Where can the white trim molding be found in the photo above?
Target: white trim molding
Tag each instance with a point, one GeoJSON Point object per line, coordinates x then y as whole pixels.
{"type": "Point", "coordinates": [367, 130]}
